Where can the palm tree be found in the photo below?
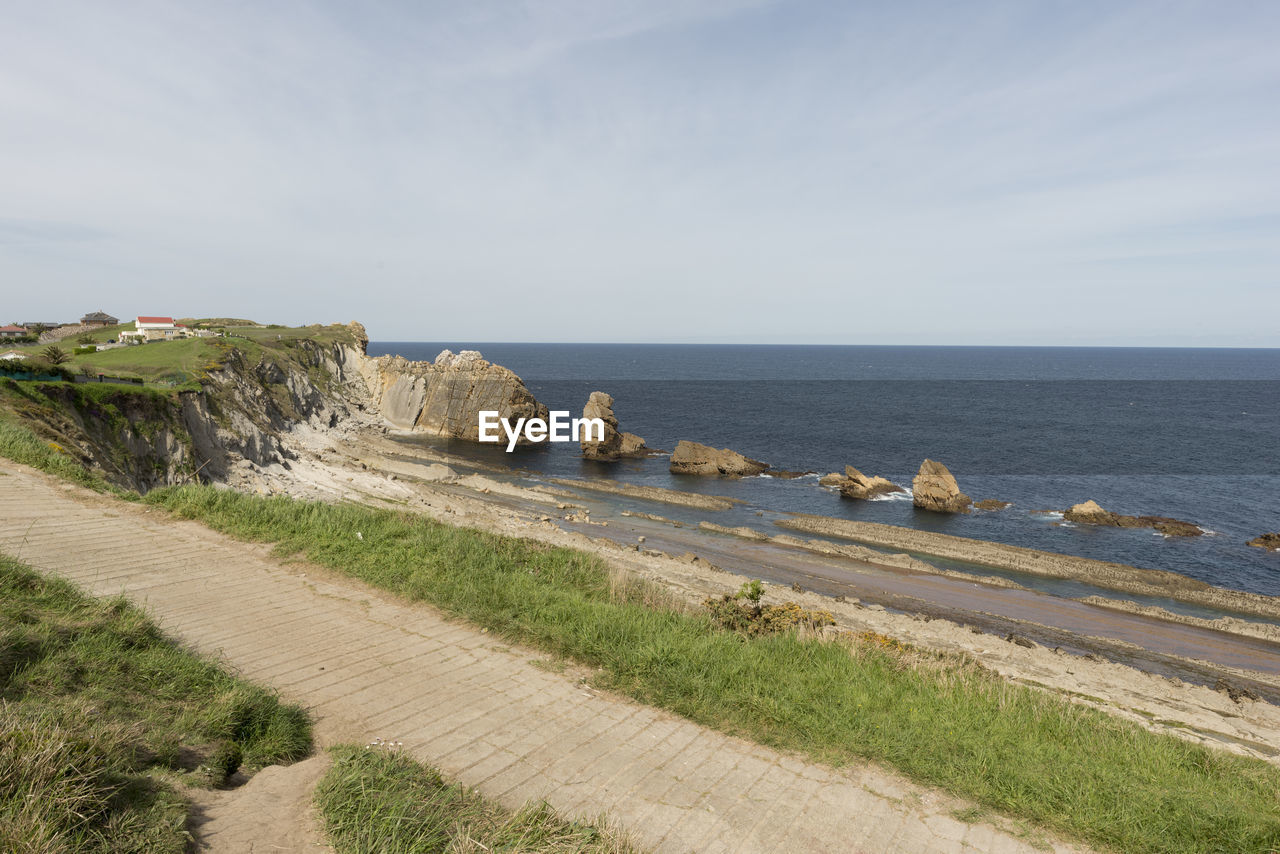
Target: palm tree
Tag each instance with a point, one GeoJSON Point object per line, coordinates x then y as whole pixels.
{"type": "Point", "coordinates": [55, 354]}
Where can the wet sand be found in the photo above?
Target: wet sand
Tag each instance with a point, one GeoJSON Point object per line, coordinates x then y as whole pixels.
{"type": "Point", "coordinates": [1112, 576]}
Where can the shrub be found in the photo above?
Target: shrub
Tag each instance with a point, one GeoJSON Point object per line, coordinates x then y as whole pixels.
{"type": "Point", "coordinates": [742, 612]}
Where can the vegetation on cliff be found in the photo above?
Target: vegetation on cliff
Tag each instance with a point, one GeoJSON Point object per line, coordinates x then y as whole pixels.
{"type": "Point", "coordinates": [198, 400]}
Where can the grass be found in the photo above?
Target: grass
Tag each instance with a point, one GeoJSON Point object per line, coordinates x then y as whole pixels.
{"type": "Point", "coordinates": [185, 361]}
{"type": "Point", "coordinates": [942, 721]}
{"type": "Point", "coordinates": [102, 717]}
{"type": "Point", "coordinates": [21, 445]}
{"type": "Point", "coordinates": [376, 800]}
{"type": "Point", "coordinates": [176, 361]}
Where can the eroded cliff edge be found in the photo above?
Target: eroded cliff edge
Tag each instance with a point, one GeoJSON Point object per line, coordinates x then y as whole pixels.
{"type": "Point", "coordinates": [252, 404]}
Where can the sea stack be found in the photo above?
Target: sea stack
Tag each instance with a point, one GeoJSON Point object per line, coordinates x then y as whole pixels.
{"type": "Point", "coordinates": [615, 445]}
{"type": "Point", "coordinates": [694, 458]}
{"type": "Point", "coordinates": [934, 488]}
{"type": "Point", "coordinates": [858, 485]}
{"type": "Point", "coordinates": [1092, 513]}
{"type": "Point", "coordinates": [445, 397]}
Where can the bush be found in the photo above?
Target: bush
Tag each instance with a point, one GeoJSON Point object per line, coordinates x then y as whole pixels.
{"type": "Point", "coordinates": [742, 612]}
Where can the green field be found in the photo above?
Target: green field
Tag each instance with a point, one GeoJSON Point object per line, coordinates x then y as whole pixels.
{"type": "Point", "coordinates": [184, 362]}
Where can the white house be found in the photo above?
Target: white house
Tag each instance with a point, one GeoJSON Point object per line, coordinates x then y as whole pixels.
{"type": "Point", "coordinates": [156, 329]}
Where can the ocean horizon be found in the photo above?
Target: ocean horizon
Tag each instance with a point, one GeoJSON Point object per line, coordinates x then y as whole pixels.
{"type": "Point", "coordinates": [1183, 432]}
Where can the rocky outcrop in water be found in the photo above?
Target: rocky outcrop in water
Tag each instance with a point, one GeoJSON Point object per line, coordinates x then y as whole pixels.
{"type": "Point", "coordinates": [855, 484]}
{"type": "Point", "coordinates": [694, 458]}
{"type": "Point", "coordinates": [445, 397]}
{"type": "Point", "coordinates": [1092, 513]}
{"type": "Point", "coordinates": [615, 445]}
{"type": "Point", "coordinates": [934, 488]}
{"type": "Point", "coordinates": [990, 504]}
{"type": "Point", "coordinates": [1266, 541]}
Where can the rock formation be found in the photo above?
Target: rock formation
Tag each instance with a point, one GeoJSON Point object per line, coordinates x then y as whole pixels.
{"type": "Point", "coordinates": [615, 445]}
{"type": "Point", "coordinates": [990, 504]}
{"type": "Point", "coordinates": [1266, 541]}
{"type": "Point", "coordinates": [445, 397]}
{"type": "Point", "coordinates": [694, 458]}
{"type": "Point", "coordinates": [834, 479]}
{"type": "Point", "coordinates": [933, 488]}
{"type": "Point", "coordinates": [1091, 513]}
{"type": "Point", "coordinates": [858, 485]}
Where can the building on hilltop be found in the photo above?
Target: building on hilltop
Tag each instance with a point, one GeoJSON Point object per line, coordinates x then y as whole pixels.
{"type": "Point", "coordinates": [13, 332]}
{"type": "Point", "coordinates": [98, 318]}
{"type": "Point", "coordinates": [147, 328]}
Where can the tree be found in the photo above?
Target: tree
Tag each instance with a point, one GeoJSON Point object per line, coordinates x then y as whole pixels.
{"type": "Point", "coordinates": [85, 339]}
{"type": "Point", "coordinates": [56, 355]}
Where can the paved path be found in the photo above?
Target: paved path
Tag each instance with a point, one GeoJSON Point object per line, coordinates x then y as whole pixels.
{"type": "Point", "coordinates": [484, 713]}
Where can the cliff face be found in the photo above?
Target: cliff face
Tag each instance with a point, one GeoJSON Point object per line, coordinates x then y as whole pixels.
{"type": "Point", "coordinates": [142, 438]}
{"type": "Point", "coordinates": [136, 438]}
{"type": "Point", "coordinates": [445, 397]}
{"type": "Point", "coordinates": [254, 398]}
{"type": "Point", "coordinates": [247, 408]}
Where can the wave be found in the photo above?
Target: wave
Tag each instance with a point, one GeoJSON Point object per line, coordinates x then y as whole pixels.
{"type": "Point", "coordinates": [905, 495]}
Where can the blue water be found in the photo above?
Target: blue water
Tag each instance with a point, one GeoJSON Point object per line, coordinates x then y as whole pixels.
{"type": "Point", "coordinates": [1187, 433]}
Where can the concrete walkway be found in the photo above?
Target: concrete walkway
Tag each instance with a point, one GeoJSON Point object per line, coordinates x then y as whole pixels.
{"type": "Point", "coordinates": [484, 713]}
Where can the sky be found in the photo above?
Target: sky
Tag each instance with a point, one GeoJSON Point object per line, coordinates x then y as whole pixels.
{"type": "Point", "coordinates": [1023, 172]}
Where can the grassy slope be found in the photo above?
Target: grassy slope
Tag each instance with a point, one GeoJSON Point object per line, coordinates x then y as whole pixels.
{"type": "Point", "coordinates": [943, 722]}
{"type": "Point", "coordinates": [184, 361]}
{"type": "Point", "coordinates": [375, 800]}
{"type": "Point", "coordinates": [100, 715]}
{"type": "Point", "coordinates": [19, 444]}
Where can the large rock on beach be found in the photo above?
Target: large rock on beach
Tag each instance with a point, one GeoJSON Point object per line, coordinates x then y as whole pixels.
{"type": "Point", "coordinates": [858, 485]}
{"type": "Point", "coordinates": [615, 445]}
{"type": "Point", "coordinates": [934, 488]}
{"type": "Point", "coordinates": [1092, 513]}
{"type": "Point", "coordinates": [694, 458]}
{"type": "Point", "coordinates": [1266, 541]}
{"type": "Point", "coordinates": [445, 397]}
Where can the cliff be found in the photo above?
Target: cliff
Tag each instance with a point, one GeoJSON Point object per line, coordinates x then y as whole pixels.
{"type": "Point", "coordinates": [238, 406]}
{"type": "Point", "coordinates": [445, 397]}
{"type": "Point", "coordinates": [241, 399]}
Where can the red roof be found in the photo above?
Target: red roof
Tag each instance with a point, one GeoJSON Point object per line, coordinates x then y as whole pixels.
{"type": "Point", "coordinates": [155, 320]}
{"type": "Point", "coordinates": [12, 329]}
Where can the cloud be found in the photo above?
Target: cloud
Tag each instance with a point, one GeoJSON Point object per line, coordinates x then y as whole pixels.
{"type": "Point", "coordinates": [694, 171]}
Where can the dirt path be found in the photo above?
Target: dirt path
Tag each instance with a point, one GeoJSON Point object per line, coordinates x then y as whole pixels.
{"type": "Point", "coordinates": [485, 713]}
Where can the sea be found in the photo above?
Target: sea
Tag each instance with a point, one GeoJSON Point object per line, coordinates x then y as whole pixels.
{"type": "Point", "coordinates": [1189, 433]}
